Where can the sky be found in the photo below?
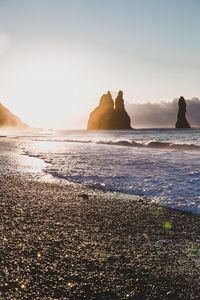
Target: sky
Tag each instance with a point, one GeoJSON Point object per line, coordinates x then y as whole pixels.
{"type": "Point", "coordinates": [57, 57]}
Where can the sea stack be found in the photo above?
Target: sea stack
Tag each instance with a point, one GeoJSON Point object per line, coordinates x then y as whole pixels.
{"type": "Point", "coordinates": [107, 117]}
{"type": "Point", "coordinates": [181, 120]}
{"type": "Point", "coordinates": [101, 117]}
{"type": "Point", "coordinates": [122, 119]}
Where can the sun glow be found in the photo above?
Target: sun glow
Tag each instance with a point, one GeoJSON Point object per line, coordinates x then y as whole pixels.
{"type": "Point", "coordinates": [48, 86]}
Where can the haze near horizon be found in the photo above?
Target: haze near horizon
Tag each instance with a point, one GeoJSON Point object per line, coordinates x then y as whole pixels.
{"type": "Point", "coordinates": [58, 57]}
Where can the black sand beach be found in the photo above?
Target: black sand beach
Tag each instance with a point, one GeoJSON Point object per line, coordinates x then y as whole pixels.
{"type": "Point", "coordinates": [62, 241]}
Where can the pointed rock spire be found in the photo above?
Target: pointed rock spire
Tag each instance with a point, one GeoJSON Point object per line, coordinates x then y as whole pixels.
{"type": "Point", "coordinates": [122, 119]}
{"type": "Point", "coordinates": [181, 119]}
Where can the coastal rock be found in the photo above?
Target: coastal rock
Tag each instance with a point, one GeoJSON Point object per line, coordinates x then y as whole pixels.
{"type": "Point", "coordinates": [106, 117]}
{"type": "Point", "coordinates": [182, 121]}
{"type": "Point", "coordinates": [8, 120]}
{"type": "Point", "coordinates": [102, 116]}
{"type": "Point", "coordinates": [122, 119]}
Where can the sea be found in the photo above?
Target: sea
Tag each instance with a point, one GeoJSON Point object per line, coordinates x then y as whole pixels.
{"type": "Point", "coordinates": [162, 165]}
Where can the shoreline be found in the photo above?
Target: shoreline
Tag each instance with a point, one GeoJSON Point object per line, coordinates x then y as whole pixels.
{"type": "Point", "coordinates": [66, 241]}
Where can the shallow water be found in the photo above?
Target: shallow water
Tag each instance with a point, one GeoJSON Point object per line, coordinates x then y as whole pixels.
{"type": "Point", "coordinates": [161, 164]}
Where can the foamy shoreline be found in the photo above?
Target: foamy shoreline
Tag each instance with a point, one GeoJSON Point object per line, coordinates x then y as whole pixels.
{"type": "Point", "coordinates": [61, 241]}
{"type": "Point", "coordinates": [169, 177]}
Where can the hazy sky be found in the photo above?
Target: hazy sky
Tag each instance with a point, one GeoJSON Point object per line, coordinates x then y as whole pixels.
{"type": "Point", "coordinates": [58, 56]}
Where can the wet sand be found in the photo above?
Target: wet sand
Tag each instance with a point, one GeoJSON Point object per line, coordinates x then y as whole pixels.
{"type": "Point", "coordinates": [64, 241]}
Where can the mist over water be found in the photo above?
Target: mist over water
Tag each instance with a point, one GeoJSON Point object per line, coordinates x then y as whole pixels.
{"type": "Point", "coordinates": [160, 164]}
{"type": "Point", "coordinates": [162, 114]}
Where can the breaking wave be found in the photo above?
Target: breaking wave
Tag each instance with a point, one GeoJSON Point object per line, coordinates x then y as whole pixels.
{"type": "Point", "coordinates": [148, 144]}
{"type": "Point", "coordinates": [163, 166]}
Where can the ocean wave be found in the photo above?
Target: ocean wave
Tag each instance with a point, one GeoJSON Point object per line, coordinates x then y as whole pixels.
{"type": "Point", "coordinates": [78, 141]}
{"type": "Point", "coordinates": [167, 172]}
{"type": "Point", "coordinates": [176, 146]}
{"type": "Point", "coordinates": [148, 144]}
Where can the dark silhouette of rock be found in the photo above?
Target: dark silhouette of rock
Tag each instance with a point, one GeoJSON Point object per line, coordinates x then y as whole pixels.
{"type": "Point", "coordinates": [182, 121]}
{"type": "Point", "coordinates": [122, 119]}
{"type": "Point", "coordinates": [102, 116]}
{"type": "Point", "coordinates": [106, 117]}
{"type": "Point", "coordinates": [8, 120]}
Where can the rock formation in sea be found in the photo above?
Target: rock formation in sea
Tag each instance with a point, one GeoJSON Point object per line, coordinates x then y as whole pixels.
{"type": "Point", "coordinates": [181, 119]}
{"type": "Point", "coordinates": [102, 116]}
{"type": "Point", "coordinates": [107, 117]}
{"type": "Point", "coordinates": [8, 120]}
{"type": "Point", "coordinates": [122, 119]}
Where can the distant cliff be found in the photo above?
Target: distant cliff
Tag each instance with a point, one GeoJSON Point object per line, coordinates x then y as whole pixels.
{"type": "Point", "coordinates": [109, 115]}
{"type": "Point", "coordinates": [181, 119]}
{"type": "Point", "coordinates": [8, 120]}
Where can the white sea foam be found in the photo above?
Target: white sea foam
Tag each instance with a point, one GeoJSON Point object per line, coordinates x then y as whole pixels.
{"type": "Point", "coordinates": [163, 165]}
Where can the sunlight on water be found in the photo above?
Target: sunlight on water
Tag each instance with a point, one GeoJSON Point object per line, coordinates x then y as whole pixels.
{"type": "Point", "coordinates": [31, 164]}
{"type": "Point", "coordinates": [162, 165]}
